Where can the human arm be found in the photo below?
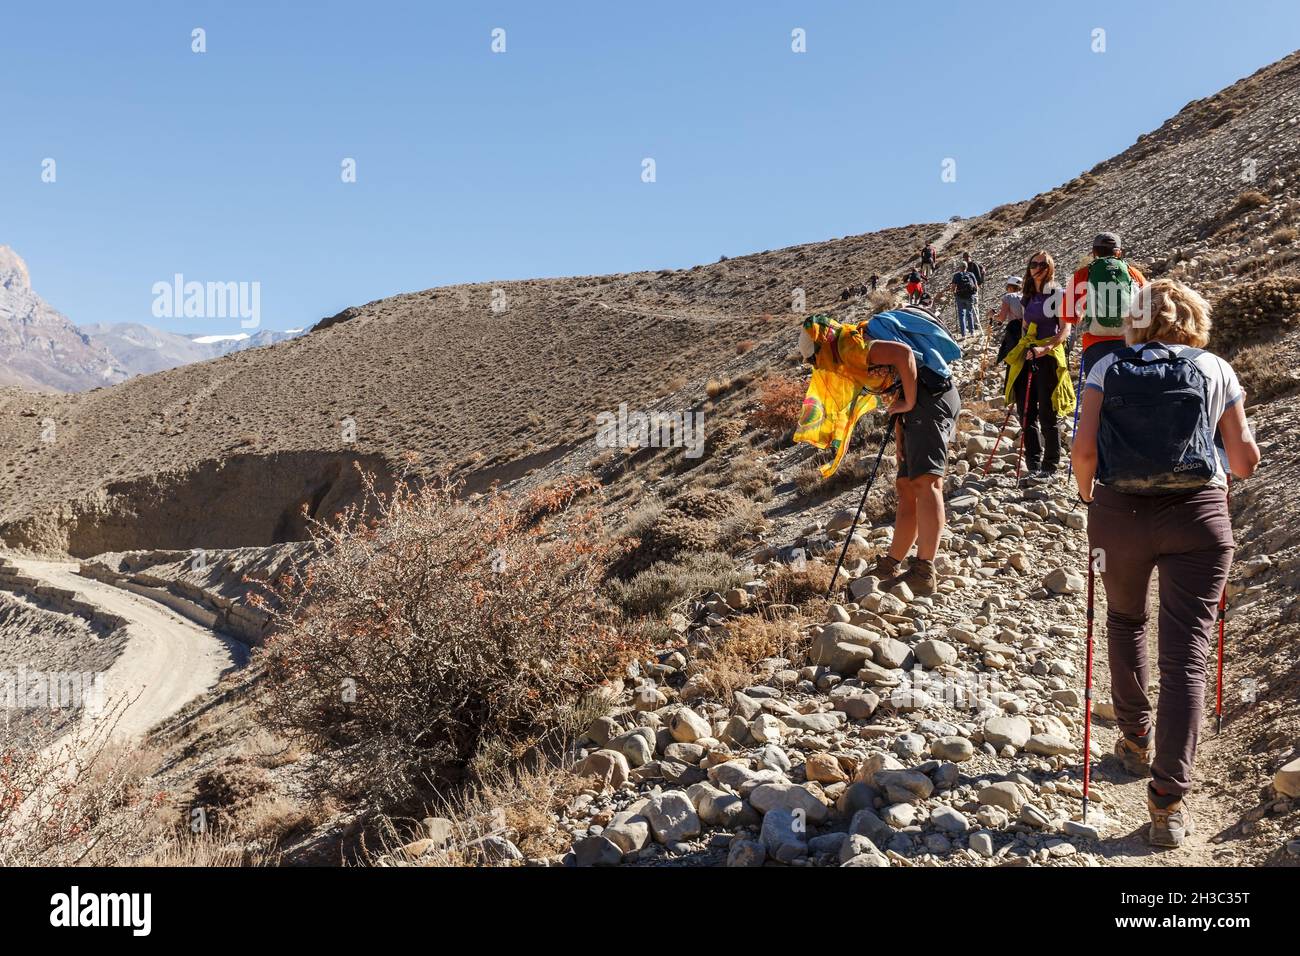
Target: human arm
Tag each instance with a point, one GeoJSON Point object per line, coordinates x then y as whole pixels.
{"type": "Point", "coordinates": [1083, 450]}
{"type": "Point", "coordinates": [901, 358]}
{"type": "Point", "coordinates": [1238, 442]}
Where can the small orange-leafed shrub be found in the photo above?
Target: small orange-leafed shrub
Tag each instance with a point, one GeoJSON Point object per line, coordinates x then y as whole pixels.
{"type": "Point", "coordinates": [744, 345]}
{"type": "Point", "coordinates": [780, 403]}
{"type": "Point", "coordinates": [84, 799]}
{"type": "Point", "coordinates": [429, 628]}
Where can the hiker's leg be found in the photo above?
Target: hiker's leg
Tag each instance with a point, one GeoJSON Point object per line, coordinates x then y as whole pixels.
{"type": "Point", "coordinates": [1199, 533]}
{"type": "Point", "coordinates": [1027, 413]}
{"type": "Point", "coordinates": [1045, 383]}
{"type": "Point", "coordinates": [905, 516]}
{"type": "Point", "coordinates": [927, 492]}
{"type": "Point", "coordinates": [905, 519]}
{"type": "Point", "coordinates": [929, 428]}
{"type": "Point", "coordinates": [1119, 539]}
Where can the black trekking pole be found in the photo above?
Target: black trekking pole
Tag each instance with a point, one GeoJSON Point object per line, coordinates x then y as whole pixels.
{"type": "Point", "coordinates": [871, 480]}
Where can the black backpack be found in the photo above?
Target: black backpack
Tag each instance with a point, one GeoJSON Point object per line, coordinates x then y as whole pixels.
{"type": "Point", "coordinates": [965, 283]}
{"type": "Point", "coordinates": [1155, 435]}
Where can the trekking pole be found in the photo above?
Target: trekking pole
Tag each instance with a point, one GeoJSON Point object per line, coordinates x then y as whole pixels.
{"type": "Point", "coordinates": [1078, 402]}
{"type": "Point", "coordinates": [871, 480]}
{"type": "Point", "coordinates": [1087, 693]}
{"type": "Point", "coordinates": [989, 464]}
{"type": "Point", "coordinates": [1024, 424]}
{"type": "Point", "coordinates": [1223, 608]}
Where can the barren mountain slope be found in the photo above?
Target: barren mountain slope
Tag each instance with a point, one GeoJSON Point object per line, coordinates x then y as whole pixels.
{"type": "Point", "coordinates": [443, 379]}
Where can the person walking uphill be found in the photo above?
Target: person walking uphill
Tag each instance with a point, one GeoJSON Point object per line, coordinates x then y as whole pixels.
{"type": "Point", "coordinates": [904, 354]}
{"type": "Point", "coordinates": [1156, 490]}
{"type": "Point", "coordinates": [1040, 356]}
{"type": "Point", "coordinates": [1098, 297]}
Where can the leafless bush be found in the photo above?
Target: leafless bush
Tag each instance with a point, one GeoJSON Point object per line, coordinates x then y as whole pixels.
{"type": "Point", "coordinates": [433, 627]}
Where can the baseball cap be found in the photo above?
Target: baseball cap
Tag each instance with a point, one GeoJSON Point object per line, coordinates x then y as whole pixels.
{"type": "Point", "coordinates": [1107, 240]}
{"type": "Point", "coordinates": [1014, 280]}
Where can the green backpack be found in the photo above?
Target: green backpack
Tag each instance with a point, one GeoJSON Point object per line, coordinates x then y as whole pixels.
{"type": "Point", "coordinates": [1110, 292]}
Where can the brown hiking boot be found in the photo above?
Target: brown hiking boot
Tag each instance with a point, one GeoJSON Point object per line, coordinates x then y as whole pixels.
{"type": "Point", "coordinates": [1134, 754]}
{"type": "Point", "coordinates": [1171, 820]}
{"type": "Point", "coordinates": [885, 567]}
{"type": "Point", "coordinates": [921, 577]}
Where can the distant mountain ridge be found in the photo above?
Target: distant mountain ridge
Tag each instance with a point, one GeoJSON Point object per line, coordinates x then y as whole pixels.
{"type": "Point", "coordinates": [142, 349]}
{"type": "Point", "coordinates": [42, 349]}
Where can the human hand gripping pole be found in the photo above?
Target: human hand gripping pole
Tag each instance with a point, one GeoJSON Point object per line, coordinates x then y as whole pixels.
{"type": "Point", "coordinates": [871, 480]}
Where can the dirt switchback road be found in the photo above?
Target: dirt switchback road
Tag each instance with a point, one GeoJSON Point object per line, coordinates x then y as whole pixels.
{"type": "Point", "coordinates": [167, 661]}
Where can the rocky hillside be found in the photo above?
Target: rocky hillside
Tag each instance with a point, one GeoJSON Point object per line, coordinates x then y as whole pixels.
{"type": "Point", "coordinates": [41, 348]}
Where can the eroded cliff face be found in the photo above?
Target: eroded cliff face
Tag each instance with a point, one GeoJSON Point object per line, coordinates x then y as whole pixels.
{"type": "Point", "coordinates": [253, 500]}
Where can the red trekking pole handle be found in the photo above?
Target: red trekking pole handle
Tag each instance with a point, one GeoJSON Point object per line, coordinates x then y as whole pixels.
{"type": "Point", "coordinates": [1223, 608]}
{"type": "Point", "coordinates": [1087, 694]}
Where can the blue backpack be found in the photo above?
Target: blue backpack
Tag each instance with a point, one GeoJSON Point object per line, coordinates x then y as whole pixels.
{"type": "Point", "coordinates": [920, 330]}
{"type": "Point", "coordinates": [1155, 435]}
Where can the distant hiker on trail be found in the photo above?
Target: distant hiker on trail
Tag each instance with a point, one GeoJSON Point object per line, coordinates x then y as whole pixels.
{"type": "Point", "coordinates": [1098, 298]}
{"type": "Point", "coordinates": [1160, 501]}
{"type": "Point", "coordinates": [915, 287]}
{"type": "Point", "coordinates": [1040, 355]}
{"type": "Point", "coordinates": [927, 259]}
{"type": "Point", "coordinates": [964, 288]}
{"type": "Point", "coordinates": [904, 353]}
{"type": "Point", "coordinates": [977, 270]}
{"type": "Point", "coordinates": [874, 280]}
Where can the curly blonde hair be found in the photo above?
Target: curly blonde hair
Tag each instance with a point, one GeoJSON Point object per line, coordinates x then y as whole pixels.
{"type": "Point", "coordinates": [1170, 312]}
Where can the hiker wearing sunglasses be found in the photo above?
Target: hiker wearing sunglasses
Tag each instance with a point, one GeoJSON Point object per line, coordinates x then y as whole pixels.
{"type": "Point", "coordinates": [1156, 490]}
{"type": "Point", "coordinates": [1039, 356]}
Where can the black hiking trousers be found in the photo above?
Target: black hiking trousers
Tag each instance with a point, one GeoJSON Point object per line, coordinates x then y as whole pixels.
{"type": "Point", "coordinates": [1042, 437]}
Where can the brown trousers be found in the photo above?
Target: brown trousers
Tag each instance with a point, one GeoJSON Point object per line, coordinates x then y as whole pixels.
{"type": "Point", "coordinates": [1188, 536]}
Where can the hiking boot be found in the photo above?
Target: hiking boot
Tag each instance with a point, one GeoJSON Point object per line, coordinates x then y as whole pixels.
{"type": "Point", "coordinates": [1171, 819]}
{"type": "Point", "coordinates": [1134, 754]}
{"type": "Point", "coordinates": [885, 567]}
{"type": "Point", "coordinates": [921, 577]}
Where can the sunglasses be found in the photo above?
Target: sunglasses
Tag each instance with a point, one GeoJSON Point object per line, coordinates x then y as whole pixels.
{"type": "Point", "coordinates": [1038, 265]}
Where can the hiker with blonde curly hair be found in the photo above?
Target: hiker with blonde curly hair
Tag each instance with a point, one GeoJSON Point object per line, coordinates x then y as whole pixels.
{"type": "Point", "coordinates": [1156, 488]}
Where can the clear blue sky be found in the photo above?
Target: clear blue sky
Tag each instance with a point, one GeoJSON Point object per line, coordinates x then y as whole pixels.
{"type": "Point", "coordinates": [472, 166]}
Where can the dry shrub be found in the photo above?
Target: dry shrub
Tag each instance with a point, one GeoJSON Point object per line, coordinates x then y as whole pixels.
{"type": "Point", "coordinates": [800, 586]}
{"type": "Point", "coordinates": [744, 345]}
{"type": "Point", "coordinates": [207, 850]}
{"type": "Point", "coordinates": [749, 639]}
{"type": "Point", "coordinates": [86, 794]}
{"type": "Point", "coordinates": [1255, 311]}
{"type": "Point", "coordinates": [1250, 200]}
{"type": "Point", "coordinates": [750, 475]}
{"type": "Point", "coordinates": [666, 584]}
{"type": "Point", "coordinates": [1284, 236]}
{"type": "Point", "coordinates": [780, 403]}
{"type": "Point", "coordinates": [698, 520]}
{"type": "Point", "coordinates": [432, 628]}
{"type": "Point", "coordinates": [717, 386]}
{"type": "Point", "coordinates": [1264, 374]}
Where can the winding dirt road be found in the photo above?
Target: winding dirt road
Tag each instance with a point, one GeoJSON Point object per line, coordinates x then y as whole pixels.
{"type": "Point", "coordinates": [167, 660]}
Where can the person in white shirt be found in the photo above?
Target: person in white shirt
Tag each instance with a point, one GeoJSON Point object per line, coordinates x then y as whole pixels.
{"type": "Point", "coordinates": [1178, 522]}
